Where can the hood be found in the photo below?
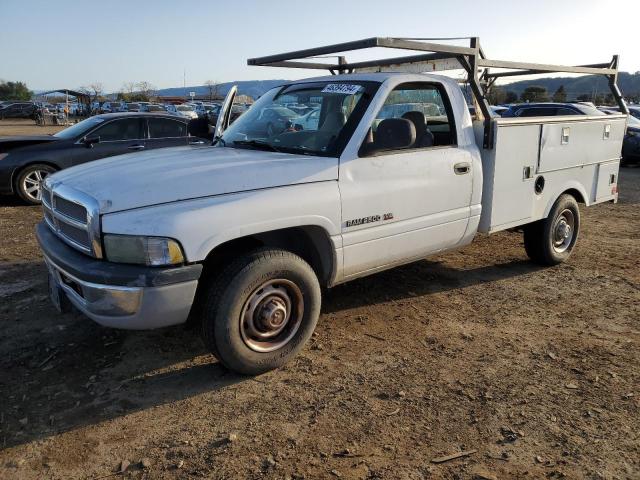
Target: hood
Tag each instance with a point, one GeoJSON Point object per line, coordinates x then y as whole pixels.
{"type": "Point", "coordinates": [180, 173]}
{"type": "Point", "coordinates": [9, 143]}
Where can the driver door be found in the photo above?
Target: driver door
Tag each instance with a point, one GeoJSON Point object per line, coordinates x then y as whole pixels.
{"type": "Point", "coordinates": [401, 204]}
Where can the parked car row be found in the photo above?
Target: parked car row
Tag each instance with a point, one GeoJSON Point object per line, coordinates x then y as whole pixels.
{"type": "Point", "coordinates": [29, 109]}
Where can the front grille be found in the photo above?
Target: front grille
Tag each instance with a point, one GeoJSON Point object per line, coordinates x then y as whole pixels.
{"type": "Point", "coordinates": [70, 219]}
{"type": "Point", "coordinates": [76, 234]}
{"type": "Point", "coordinates": [46, 196]}
{"type": "Point", "coordinates": [70, 209]}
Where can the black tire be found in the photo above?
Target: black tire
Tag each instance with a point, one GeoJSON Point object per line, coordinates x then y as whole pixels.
{"type": "Point", "coordinates": [547, 241]}
{"type": "Point", "coordinates": [235, 293]}
{"type": "Point", "coordinates": [24, 181]}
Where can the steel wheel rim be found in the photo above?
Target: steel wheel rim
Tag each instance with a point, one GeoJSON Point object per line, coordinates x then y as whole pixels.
{"type": "Point", "coordinates": [272, 315]}
{"type": "Point", "coordinates": [564, 230]}
{"type": "Point", "coordinates": [32, 184]}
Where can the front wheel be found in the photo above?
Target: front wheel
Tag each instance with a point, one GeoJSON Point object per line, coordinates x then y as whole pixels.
{"type": "Point", "coordinates": [30, 180]}
{"type": "Point", "coordinates": [261, 310]}
{"type": "Point", "coordinates": [550, 241]}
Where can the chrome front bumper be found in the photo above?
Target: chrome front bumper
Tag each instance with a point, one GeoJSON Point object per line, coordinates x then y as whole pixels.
{"type": "Point", "coordinates": [117, 295]}
{"type": "Point", "coordinates": [134, 308]}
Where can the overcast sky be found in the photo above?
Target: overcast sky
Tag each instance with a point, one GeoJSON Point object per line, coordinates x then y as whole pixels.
{"type": "Point", "coordinates": [63, 43]}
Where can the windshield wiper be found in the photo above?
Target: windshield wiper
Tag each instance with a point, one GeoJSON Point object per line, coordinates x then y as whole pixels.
{"type": "Point", "coordinates": [257, 144]}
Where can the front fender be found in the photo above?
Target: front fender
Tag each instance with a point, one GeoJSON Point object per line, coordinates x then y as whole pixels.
{"type": "Point", "coordinates": [201, 225]}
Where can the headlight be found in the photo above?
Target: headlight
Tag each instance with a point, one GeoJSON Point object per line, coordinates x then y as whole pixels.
{"type": "Point", "coordinates": [152, 251]}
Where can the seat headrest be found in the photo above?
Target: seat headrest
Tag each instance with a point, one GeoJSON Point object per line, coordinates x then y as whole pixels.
{"type": "Point", "coordinates": [395, 133]}
{"type": "Point", "coordinates": [417, 118]}
{"type": "Point", "coordinates": [333, 122]}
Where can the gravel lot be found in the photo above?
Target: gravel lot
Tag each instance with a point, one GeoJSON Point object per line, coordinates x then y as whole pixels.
{"type": "Point", "coordinates": [535, 371]}
{"type": "Point", "coordinates": [23, 126]}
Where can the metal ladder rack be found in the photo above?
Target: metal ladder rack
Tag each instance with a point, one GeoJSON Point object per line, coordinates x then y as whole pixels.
{"type": "Point", "coordinates": [437, 57]}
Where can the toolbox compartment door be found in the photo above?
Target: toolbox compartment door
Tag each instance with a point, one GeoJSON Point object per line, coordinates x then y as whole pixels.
{"type": "Point", "coordinates": [580, 141]}
{"type": "Point", "coordinates": [607, 186]}
{"type": "Point", "coordinates": [508, 189]}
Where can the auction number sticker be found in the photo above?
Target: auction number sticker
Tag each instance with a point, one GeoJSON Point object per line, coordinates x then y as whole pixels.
{"type": "Point", "coordinates": [341, 88]}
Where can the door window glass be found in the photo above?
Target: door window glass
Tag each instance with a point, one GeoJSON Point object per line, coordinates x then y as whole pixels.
{"type": "Point", "coordinates": [165, 128]}
{"type": "Point", "coordinates": [538, 112]}
{"type": "Point", "coordinates": [566, 111]}
{"type": "Point", "coordinates": [414, 107]}
{"type": "Point", "coordinates": [124, 129]}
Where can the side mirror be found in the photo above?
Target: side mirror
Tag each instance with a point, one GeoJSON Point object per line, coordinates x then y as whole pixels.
{"type": "Point", "coordinates": [391, 134]}
{"type": "Point", "coordinates": [91, 141]}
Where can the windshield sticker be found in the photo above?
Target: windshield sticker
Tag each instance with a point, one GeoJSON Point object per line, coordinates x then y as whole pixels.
{"type": "Point", "coordinates": [341, 88]}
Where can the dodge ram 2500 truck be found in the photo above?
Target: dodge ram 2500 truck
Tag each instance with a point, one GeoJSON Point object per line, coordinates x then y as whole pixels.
{"type": "Point", "coordinates": [385, 168]}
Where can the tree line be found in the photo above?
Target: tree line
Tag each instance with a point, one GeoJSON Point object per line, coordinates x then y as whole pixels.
{"type": "Point", "coordinates": [535, 93]}
{"type": "Point", "coordinates": [14, 91]}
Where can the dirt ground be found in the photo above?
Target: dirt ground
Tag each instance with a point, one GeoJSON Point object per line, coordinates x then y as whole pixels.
{"type": "Point", "coordinates": [23, 126]}
{"type": "Point", "coordinates": [534, 372]}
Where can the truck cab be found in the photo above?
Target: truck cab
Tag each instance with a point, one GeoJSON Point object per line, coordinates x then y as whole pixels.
{"type": "Point", "coordinates": [239, 237]}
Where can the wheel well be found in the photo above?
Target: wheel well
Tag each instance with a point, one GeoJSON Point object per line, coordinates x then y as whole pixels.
{"type": "Point", "coordinates": [312, 243]}
{"type": "Point", "coordinates": [575, 194]}
{"type": "Point", "coordinates": [17, 171]}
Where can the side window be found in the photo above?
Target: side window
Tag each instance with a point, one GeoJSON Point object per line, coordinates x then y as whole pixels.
{"type": "Point", "coordinates": [165, 128]}
{"type": "Point", "coordinates": [566, 111]}
{"type": "Point", "coordinates": [538, 112]}
{"type": "Point", "coordinates": [124, 129]}
{"type": "Point", "coordinates": [414, 115]}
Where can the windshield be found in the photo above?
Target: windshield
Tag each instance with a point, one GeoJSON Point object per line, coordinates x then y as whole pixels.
{"type": "Point", "coordinates": [270, 125]}
{"type": "Point", "coordinates": [79, 129]}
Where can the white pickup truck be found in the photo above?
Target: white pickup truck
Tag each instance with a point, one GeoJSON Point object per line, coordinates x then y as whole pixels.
{"type": "Point", "coordinates": [240, 236]}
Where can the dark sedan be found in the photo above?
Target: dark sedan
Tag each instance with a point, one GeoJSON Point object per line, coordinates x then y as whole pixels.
{"type": "Point", "coordinates": [549, 109]}
{"type": "Point", "coordinates": [26, 161]}
{"type": "Point", "coordinates": [17, 110]}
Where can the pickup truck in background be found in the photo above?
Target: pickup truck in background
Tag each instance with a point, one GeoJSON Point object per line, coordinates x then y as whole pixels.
{"type": "Point", "coordinates": [240, 236]}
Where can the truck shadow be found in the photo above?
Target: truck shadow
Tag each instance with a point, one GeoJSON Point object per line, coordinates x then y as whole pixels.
{"type": "Point", "coordinates": [62, 373]}
{"type": "Point", "coordinates": [417, 279]}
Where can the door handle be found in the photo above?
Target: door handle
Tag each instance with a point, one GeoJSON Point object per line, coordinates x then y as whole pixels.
{"type": "Point", "coordinates": [136, 147]}
{"type": "Point", "coordinates": [462, 168]}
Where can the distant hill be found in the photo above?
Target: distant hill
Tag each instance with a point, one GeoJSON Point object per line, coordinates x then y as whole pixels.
{"type": "Point", "coordinates": [574, 86]}
{"type": "Point", "coordinates": [590, 85]}
{"type": "Point", "coordinates": [252, 88]}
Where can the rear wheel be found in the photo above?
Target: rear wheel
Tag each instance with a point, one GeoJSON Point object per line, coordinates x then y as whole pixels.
{"type": "Point", "coordinates": [550, 241]}
{"type": "Point", "coordinates": [30, 180]}
{"type": "Point", "coordinates": [260, 310]}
